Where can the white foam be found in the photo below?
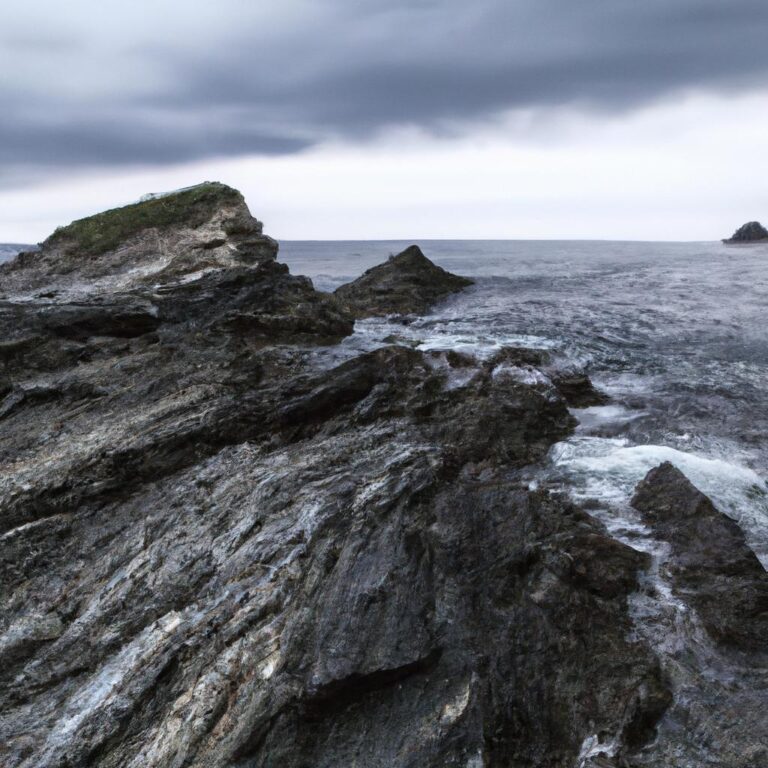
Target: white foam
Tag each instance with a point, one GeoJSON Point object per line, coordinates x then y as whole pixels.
{"type": "Point", "coordinates": [609, 469]}
{"type": "Point", "coordinates": [598, 416]}
{"type": "Point", "coordinates": [527, 375]}
{"type": "Point", "coordinates": [480, 347]}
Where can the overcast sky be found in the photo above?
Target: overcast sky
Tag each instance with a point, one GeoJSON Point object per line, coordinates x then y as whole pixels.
{"type": "Point", "coordinates": [392, 118]}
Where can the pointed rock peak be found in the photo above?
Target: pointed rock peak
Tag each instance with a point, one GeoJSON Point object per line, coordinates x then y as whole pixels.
{"type": "Point", "coordinates": [750, 232]}
{"type": "Point", "coordinates": [407, 283]}
{"type": "Point", "coordinates": [666, 485]}
{"type": "Point", "coordinates": [411, 256]}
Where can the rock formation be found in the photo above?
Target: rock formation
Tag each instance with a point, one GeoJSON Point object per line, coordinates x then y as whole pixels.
{"type": "Point", "coordinates": [408, 283]}
{"type": "Point", "coordinates": [196, 259]}
{"type": "Point", "coordinates": [227, 544]}
{"type": "Point", "coordinates": [713, 592]}
{"type": "Point", "coordinates": [752, 232]}
{"type": "Point", "coordinates": [711, 566]}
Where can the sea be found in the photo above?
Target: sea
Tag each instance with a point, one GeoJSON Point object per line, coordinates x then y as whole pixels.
{"type": "Point", "coordinates": [675, 333]}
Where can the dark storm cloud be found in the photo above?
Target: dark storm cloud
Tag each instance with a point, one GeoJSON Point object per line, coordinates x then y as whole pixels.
{"type": "Point", "coordinates": [258, 79]}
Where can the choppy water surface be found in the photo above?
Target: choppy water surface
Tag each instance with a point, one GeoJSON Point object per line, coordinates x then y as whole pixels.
{"type": "Point", "coordinates": [675, 332]}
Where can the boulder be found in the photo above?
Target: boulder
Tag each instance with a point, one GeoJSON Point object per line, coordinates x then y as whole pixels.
{"type": "Point", "coordinates": [408, 283]}
{"type": "Point", "coordinates": [711, 566]}
{"type": "Point", "coordinates": [577, 388]}
{"type": "Point", "coordinates": [752, 232]}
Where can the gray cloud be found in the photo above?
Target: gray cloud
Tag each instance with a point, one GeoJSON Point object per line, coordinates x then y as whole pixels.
{"type": "Point", "coordinates": [125, 89]}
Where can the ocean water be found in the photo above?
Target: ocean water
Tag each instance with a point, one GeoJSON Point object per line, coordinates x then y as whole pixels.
{"type": "Point", "coordinates": [674, 332]}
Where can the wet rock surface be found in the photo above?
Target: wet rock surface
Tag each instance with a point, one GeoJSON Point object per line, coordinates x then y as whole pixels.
{"type": "Point", "coordinates": [408, 283]}
{"type": "Point", "coordinates": [711, 565]}
{"type": "Point", "coordinates": [705, 613]}
{"type": "Point", "coordinates": [332, 566]}
{"type": "Point", "coordinates": [222, 544]}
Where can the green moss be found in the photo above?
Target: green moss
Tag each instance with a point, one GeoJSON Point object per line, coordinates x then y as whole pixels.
{"type": "Point", "coordinates": [105, 231]}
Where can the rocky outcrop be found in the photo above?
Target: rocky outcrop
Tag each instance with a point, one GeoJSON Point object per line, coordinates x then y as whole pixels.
{"type": "Point", "coordinates": [711, 566]}
{"type": "Point", "coordinates": [194, 261]}
{"type": "Point", "coordinates": [408, 283]}
{"type": "Point", "coordinates": [313, 568]}
{"type": "Point", "coordinates": [752, 232]}
{"type": "Point", "coordinates": [225, 545]}
{"type": "Point", "coordinates": [162, 238]}
{"type": "Point", "coordinates": [577, 389]}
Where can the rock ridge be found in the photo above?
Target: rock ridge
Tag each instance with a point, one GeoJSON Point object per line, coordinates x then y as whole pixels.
{"type": "Point", "coordinates": [711, 564]}
{"type": "Point", "coordinates": [224, 544]}
{"type": "Point", "coordinates": [408, 283]}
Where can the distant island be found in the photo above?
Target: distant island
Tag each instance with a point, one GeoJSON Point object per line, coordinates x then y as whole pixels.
{"type": "Point", "coordinates": [9, 250]}
{"type": "Point", "coordinates": [751, 232]}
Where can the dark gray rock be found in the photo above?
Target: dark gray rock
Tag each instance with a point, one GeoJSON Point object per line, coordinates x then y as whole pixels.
{"type": "Point", "coordinates": [291, 566]}
{"type": "Point", "coordinates": [711, 566]}
{"type": "Point", "coordinates": [408, 283]}
{"type": "Point", "coordinates": [578, 389]}
{"type": "Point", "coordinates": [219, 546]}
{"type": "Point", "coordinates": [751, 232]}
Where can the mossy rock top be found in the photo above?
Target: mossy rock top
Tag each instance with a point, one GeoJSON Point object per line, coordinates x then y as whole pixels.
{"type": "Point", "coordinates": [105, 231]}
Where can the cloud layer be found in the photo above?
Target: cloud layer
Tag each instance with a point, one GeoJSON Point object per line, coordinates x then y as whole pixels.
{"type": "Point", "coordinates": [90, 85]}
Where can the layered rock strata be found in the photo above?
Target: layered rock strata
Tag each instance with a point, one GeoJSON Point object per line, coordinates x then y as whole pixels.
{"type": "Point", "coordinates": [221, 547]}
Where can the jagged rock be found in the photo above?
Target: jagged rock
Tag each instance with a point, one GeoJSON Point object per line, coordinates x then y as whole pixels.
{"type": "Point", "coordinates": [751, 232]}
{"type": "Point", "coordinates": [220, 546]}
{"type": "Point", "coordinates": [711, 566]}
{"type": "Point", "coordinates": [308, 567]}
{"type": "Point", "coordinates": [408, 283]}
{"type": "Point", "coordinates": [573, 385]}
{"type": "Point", "coordinates": [577, 389]}
{"type": "Point", "coordinates": [195, 259]}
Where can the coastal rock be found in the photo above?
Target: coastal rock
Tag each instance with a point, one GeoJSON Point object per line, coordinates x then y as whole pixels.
{"type": "Point", "coordinates": [408, 283]}
{"type": "Point", "coordinates": [157, 239]}
{"type": "Point", "coordinates": [224, 544]}
{"type": "Point", "coordinates": [193, 261]}
{"type": "Point", "coordinates": [308, 567]}
{"type": "Point", "coordinates": [578, 390]}
{"type": "Point", "coordinates": [751, 232]}
{"type": "Point", "coordinates": [711, 566]}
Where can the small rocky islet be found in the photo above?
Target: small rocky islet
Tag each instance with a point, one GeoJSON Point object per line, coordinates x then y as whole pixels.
{"type": "Point", "coordinates": [751, 232]}
{"type": "Point", "coordinates": [223, 548]}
